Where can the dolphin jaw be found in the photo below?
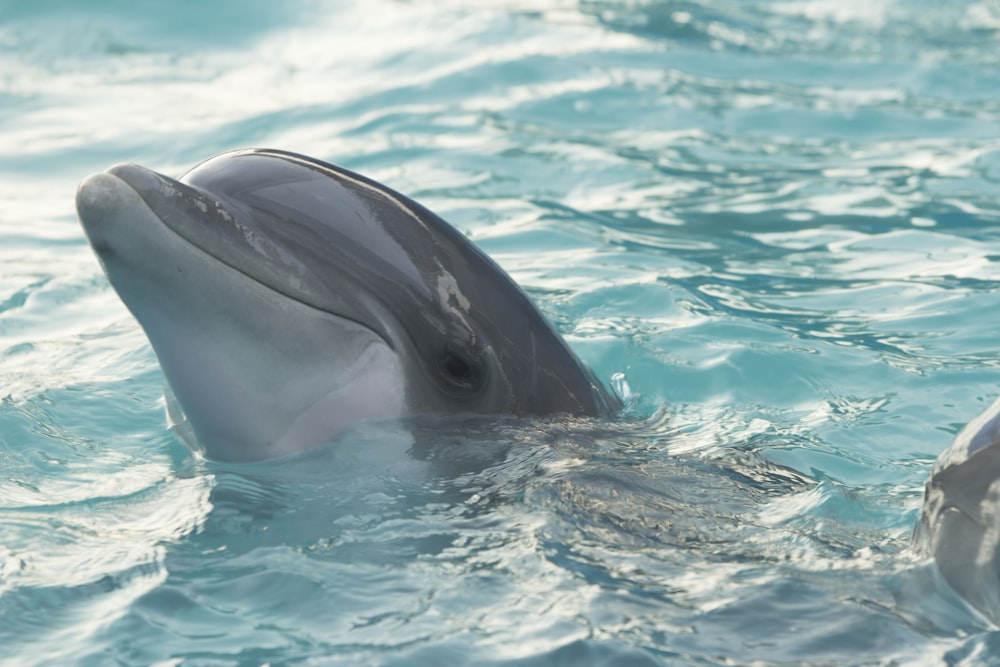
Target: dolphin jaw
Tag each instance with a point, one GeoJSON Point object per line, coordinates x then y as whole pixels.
{"type": "Point", "coordinates": [243, 389]}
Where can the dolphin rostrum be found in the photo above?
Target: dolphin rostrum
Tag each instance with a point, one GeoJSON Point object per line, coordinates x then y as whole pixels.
{"type": "Point", "coordinates": [287, 299]}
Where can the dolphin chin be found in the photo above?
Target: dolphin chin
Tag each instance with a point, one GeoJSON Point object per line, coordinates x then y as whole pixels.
{"type": "Point", "coordinates": [287, 300]}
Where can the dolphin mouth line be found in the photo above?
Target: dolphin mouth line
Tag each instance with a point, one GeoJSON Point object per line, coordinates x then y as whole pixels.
{"type": "Point", "coordinates": [205, 252]}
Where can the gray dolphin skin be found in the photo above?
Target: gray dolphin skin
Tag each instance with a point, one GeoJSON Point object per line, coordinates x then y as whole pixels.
{"type": "Point", "coordinates": [960, 522]}
{"type": "Point", "coordinates": [287, 300]}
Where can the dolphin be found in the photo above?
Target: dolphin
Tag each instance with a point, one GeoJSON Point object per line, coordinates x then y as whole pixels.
{"type": "Point", "coordinates": [288, 299]}
{"type": "Point", "coordinates": [959, 524]}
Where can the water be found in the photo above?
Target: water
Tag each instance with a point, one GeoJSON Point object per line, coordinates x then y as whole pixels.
{"type": "Point", "coordinates": [778, 219]}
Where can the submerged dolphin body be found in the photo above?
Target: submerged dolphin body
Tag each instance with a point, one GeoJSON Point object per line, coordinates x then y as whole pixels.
{"type": "Point", "coordinates": [287, 299]}
{"type": "Point", "coordinates": [960, 521]}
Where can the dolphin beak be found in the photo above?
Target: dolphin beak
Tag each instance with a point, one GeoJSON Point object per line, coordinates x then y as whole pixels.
{"type": "Point", "coordinates": [173, 202]}
{"type": "Point", "coordinates": [99, 198]}
{"type": "Point", "coordinates": [142, 180]}
{"type": "Point", "coordinates": [104, 198]}
{"type": "Point", "coordinates": [110, 210]}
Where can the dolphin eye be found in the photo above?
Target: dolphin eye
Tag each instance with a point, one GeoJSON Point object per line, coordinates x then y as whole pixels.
{"type": "Point", "coordinates": [460, 372]}
{"type": "Point", "coordinates": [457, 369]}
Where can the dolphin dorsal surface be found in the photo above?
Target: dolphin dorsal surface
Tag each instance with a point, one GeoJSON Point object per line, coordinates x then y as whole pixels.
{"type": "Point", "coordinates": [288, 299]}
{"type": "Point", "coordinates": [960, 520]}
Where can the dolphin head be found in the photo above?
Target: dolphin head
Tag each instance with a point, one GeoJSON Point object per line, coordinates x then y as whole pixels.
{"type": "Point", "coordinates": [960, 520]}
{"type": "Point", "coordinates": [287, 299]}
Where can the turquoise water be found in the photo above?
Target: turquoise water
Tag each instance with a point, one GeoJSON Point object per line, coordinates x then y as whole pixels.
{"type": "Point", "coordinates": [778, 219]}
